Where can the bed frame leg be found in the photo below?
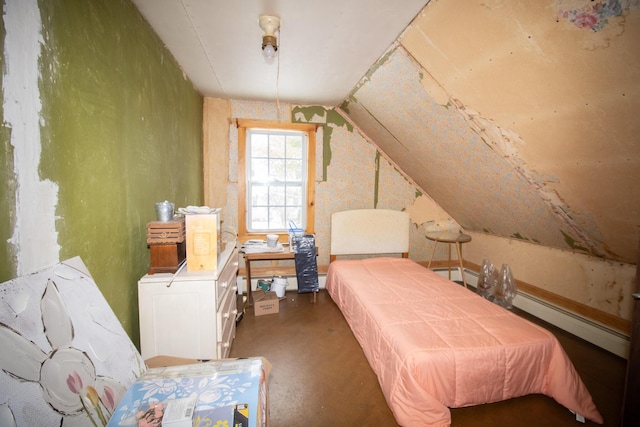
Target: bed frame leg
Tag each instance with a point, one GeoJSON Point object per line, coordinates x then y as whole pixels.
{"type": "Point", "coordinates": [579, 417]}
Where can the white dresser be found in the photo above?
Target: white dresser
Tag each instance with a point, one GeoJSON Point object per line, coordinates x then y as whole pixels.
{"type": "Point", "coordinates": [193, 315]}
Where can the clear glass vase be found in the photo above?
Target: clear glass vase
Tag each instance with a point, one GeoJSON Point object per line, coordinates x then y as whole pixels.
{"type": "Point", "coordinates": [487, 280]}
{"type": "Point", "coordinates": [506, 289]}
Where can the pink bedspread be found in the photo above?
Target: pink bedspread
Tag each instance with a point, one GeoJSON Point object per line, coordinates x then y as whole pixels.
{"type": "Point", "coordinates": [436, 345]}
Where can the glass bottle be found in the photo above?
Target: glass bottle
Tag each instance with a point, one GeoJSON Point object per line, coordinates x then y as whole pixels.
{"type": "Point", "coordinates": [506, 290]}
{"type": "Point", "coordinates": [487, 280]}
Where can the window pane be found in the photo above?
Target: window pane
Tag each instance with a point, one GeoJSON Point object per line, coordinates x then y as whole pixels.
{"type": "Point", "coordinates": [294, 147]}
{"type": "Point", "coordinates": [276, 146]}
{"type": "Point", "coordinates": [294, 196]}
{"type": "Point", "coordinates": [276, 217]}
{"type": "Point", "coordinates": [259, 218]}
{"type": "Point", "coordinates": [276, 170]}
{"type": "Point", "coordinates": [276, 181]}
{"type": "Point", "coordinates": [276, 195]}
{"type": "Point", "coordinates": [259, 170]}
{"type": "Point", "coordinates": [259, 145]}
{"type": "Point", "coordinates": [259, 195]}
{"type": "Point", "coordinates": [294, 170]}
{"type": "Point", "coordinates": [294, 215]}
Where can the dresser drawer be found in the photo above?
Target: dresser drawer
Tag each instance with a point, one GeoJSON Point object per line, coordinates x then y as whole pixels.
{"type": "Point", "coordinates": [226, 323]}
{"type": "Point", "coordinates": [226, 314]}
{"type": "Point", "coordinates": [228, 278]}
{"type": "Point", "coordinates": [224, 346]}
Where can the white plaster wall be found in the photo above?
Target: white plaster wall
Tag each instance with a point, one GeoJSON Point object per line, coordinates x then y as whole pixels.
{"type": "Point", "coordinates": [605, 285]}
{"type": "Point", "coordinates": [35, 235]}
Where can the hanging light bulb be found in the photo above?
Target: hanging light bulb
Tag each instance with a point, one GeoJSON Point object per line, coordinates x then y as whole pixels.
{"type": "Point", "coordinates": [269, 52]}
{"type": "Point", "coordinates": [269, 24]}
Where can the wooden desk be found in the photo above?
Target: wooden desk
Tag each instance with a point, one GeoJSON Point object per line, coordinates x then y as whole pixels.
{"type": "Point", "coordinates": [450, 238]}
{"type": "Point", "coordinates": [266, 256]}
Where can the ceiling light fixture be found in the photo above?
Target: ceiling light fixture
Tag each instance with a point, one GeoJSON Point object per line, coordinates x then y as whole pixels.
{"type": "Point", "coordinates": [269, 24]}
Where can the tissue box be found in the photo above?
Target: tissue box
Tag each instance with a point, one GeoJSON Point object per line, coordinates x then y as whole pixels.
{"type": "Point", "coordinates": [265, 302]}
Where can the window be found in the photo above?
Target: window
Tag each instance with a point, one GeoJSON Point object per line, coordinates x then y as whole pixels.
{"type": "Point", "coordinates": [276, 171]}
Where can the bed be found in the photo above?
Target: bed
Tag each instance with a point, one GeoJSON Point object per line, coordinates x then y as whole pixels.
{"type": "Point", "coordinates": [433, 344]}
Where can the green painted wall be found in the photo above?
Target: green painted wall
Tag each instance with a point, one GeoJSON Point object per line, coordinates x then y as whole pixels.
{"type": "Point", "coordinates": [121, 129]}
{"type": "Point", "coordinates": [7, 185]}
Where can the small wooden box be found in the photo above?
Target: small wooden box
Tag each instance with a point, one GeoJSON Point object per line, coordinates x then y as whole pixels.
{"type": "Point", "coordinates": [166, 258]}
{"type": "Point", "coordinates": [159, 232]}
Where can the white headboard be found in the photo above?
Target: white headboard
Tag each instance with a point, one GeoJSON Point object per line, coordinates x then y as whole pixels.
{"type": "Point", "coordinates": [369, 231]}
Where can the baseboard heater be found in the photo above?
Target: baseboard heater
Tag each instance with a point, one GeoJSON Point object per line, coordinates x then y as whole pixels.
{"type": "Point", "coordinates": [593, 332]}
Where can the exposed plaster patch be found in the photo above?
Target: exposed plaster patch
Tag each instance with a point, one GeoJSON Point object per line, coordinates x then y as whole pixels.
{"type": "Point", "coordinates": [324, 117]}
{"type": "Point", "coordinates": [521, 237]}
{"type": "Point", "coordinates": [425, 210]}
{"type": "Point", "coordinates": [34, 236]}
{"type": "Point", "coordinates": [433, 88]}
{"type": "Point", "coordinates": [572, 243]}
{"type": "Point", "coordinates": [309, 115]}
{"type": "Point", "coordinates": [383, 59]}
{"type": "Point", "coordinates": [505, 142]}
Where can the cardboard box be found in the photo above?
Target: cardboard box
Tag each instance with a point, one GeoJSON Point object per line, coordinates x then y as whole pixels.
{"type": "Point", "coordinates": [203, 241]}
{"type": "Point", "coordinates": [229, 392]}
{"type": "Point", "coordinates": [265, 302]}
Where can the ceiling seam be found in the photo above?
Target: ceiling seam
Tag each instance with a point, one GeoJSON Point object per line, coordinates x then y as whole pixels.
{"type": "Point", "coordinates": [206, 54]}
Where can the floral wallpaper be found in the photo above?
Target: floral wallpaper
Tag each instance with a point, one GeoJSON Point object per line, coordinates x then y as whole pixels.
{"type": "Point", "coordinates": [594, 15]}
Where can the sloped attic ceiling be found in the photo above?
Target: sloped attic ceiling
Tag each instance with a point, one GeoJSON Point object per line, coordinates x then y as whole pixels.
{"type": "Point", "coordinates": [519, 119]}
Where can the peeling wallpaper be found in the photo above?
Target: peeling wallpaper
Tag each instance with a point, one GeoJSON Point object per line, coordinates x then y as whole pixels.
{"type": "Point", "coordinates": [519, 119]}
{"type": "Point", "coordinates": [552, 88]}
{"type": "Point", "coordinates": [341, 183]}
{"type": "Point", "coordinates": [436, 147]}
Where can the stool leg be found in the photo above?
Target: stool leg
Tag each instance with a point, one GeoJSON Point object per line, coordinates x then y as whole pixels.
{"type": "Point", "coordinates": [449, 245]}
{"type": "Point", "coordinates": [435, 243]}
{"type": "Point", "coordinates": [459, 249]}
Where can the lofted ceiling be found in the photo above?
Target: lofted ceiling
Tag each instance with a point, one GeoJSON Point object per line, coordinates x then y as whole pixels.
{"type": "Point", "coordinates": [218, 44]}
{"type": "Point", "coordinates": [517, 118]}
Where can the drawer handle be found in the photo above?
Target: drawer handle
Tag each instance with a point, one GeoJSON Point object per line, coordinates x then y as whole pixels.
{"type": "Point", "coordinates": [225, 345]}
{"type": "Point", "coordinates": [225, 284]}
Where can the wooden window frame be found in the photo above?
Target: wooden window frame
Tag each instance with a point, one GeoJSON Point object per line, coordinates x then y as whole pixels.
{"type": "Point", "coordinates": [310, 130]}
